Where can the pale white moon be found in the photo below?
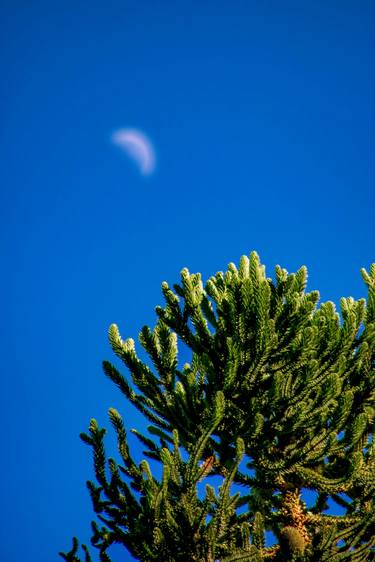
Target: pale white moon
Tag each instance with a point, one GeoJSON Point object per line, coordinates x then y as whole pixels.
{"type": "Point", "coordinates": [138, 147]}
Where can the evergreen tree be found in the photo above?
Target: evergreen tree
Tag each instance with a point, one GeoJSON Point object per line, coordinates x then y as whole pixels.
{"type": "Point", "coordinates": [277, 400]}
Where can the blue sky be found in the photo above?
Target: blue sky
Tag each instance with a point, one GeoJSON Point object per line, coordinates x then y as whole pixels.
{"type": "Point", "coordinates": [262, 117]}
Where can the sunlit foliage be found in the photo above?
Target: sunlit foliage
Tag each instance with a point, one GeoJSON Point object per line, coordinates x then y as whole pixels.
{"type": "Point", "coordinates": [277, 400]}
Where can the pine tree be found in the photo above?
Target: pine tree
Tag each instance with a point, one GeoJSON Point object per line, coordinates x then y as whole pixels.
{"type": "Point", "coordinates": [277, 400]}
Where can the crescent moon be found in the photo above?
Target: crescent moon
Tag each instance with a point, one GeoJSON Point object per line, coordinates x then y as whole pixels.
{"type": "Point", "coordinates": [138, 147]}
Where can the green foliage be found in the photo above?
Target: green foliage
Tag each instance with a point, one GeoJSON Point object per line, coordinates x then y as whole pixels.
{"type": "Point", "coordinates": [278, 398]}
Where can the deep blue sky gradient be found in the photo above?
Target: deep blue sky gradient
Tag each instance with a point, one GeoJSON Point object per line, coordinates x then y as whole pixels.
{"type": "Point", "coordinates": [262, 116]}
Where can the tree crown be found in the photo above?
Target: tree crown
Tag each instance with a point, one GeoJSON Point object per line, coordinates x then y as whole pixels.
{"type": "Point", "coordinates": [278, 398]}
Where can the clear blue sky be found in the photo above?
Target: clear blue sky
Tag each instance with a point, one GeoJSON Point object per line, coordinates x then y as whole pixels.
{"type": "Point", "coordinates": [262, 116]}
